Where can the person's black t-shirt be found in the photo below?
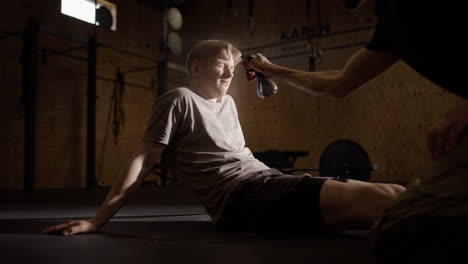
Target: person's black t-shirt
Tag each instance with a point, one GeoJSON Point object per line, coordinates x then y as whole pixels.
{"type": "Point", "coordinates": [428, 35]}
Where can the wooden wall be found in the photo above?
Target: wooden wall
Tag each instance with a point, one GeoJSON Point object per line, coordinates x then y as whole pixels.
{"type": "Point", "coordinates": [389, 116]}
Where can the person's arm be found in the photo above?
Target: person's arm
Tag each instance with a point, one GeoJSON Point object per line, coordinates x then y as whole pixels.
{"type": "Point", "coordinates": [362, 67]}
{"type": "Point", "coordinates": [139, 166]}
{"type": "Point", "coordinates": [445, 135]}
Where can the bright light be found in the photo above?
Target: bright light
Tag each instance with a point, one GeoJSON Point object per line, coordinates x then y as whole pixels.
{"type": "Point", "coordinates": [81, 9]}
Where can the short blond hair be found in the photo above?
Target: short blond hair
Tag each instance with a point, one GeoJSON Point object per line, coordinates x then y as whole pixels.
{"type": "Point", "coordinates": [209, 48]}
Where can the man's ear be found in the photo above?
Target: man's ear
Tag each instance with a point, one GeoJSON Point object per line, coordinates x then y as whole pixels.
{"type": "Point", "coordinates": [195, 68]}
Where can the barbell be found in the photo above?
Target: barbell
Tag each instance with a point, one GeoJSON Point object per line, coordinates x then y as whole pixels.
{"type": "Point", "coordinates": [342, 158]}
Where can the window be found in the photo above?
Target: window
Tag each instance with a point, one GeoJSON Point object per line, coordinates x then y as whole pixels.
{"type": "Point", "coordinates": [103, 14]}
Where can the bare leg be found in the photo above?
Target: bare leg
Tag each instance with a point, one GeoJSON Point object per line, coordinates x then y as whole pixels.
{"type": "Point", "coordinates": [355, 204]}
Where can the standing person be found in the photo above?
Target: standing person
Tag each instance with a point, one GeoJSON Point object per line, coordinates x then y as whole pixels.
{"type": "Point", "coordinates": [429, 37]}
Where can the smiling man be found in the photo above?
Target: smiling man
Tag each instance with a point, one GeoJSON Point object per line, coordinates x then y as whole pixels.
{"type": "Point", "coordinates": [198, 129]}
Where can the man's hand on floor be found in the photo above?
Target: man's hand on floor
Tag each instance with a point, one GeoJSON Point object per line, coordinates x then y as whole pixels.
{"type": "Point", "coordinates": [74, 227]}
{"type": "Point", "coordinates": [444, 135]}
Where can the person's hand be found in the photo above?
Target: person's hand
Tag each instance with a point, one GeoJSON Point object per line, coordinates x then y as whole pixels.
{"type": "Point", "coordinates": [258, 63]}
{"type": "Point", "coordinates": [73, 227]}
{"type": "Point", "coordinates": [445, 134]}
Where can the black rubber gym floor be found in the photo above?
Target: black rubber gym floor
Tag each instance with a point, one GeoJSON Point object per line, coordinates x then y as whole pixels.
{"type": "Point", "coordinates": [158, 225]}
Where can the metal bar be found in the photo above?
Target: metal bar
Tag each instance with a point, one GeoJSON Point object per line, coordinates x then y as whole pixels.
{"type": "Point", "coordinates": [304, 39]}
{"type": "Point", "coordinates": [289, 55]}
{"type": "Point", "coordinates": [67, 36]}
{"type": "Point", "coordinates": [126, 83]}
{"type": "Point", "coordinates": [5, 36]}
{"type": "Point", "coordinates": [163, 64]}
{"type": "Point", "coordinates": [8, 34]}
{"type": "Point", "coordinates": [177, 67]}
{"type": "Point", "coordinates": [29, 73]}
{"type": "Point", "coordinates": [170, 65]}
{"type": "Point", "coordinates": [91, 181]}
{"type": "Point", "coordinates": [324, 49]}
{"type": "Point", "coordinates": [162, 78]}
{"type": "Point", "coordinates": [62, 35]}
{"type": "Point", "coordinates": [310, 43]}
{"type": "Point", "coordinates": [52, 52]}
{"type": "Point", "coordinates": [128, 52]}
{"type": "Point", "coordinates": [319, 12]}
{"type": "Point", "coordinates": [140, 69]}
{"type": "Point", "coordinates": [65, 51]}
{"type": "Point", "coordinates": [346, 46]}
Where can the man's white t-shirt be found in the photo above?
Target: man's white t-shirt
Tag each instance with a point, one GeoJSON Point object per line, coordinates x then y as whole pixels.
{"type": "Point", "coordinates": [205, 145]}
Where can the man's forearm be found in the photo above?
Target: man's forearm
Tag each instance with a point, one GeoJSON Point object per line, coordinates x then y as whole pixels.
{"type": "Point", "coordinates": [317, 83]}
{"type": "Point", "coordinates": [363, 66]}
{"type": "Point", "coordinates": [129, 179]}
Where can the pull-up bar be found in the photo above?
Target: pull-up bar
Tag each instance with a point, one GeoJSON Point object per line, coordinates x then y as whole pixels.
{"type": "Point", "coordinates": [29, 64]}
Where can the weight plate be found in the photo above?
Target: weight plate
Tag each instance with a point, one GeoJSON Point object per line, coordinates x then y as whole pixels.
{"type": "Point", "coordinates": [345, 158]}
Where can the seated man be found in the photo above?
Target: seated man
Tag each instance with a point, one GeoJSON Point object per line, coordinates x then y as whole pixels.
{"type": "Point", "coordinates": [199, 131]}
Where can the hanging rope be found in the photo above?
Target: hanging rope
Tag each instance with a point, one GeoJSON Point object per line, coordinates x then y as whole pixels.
{"type": "Point", "coordinates": [250, 26]}
{"type": "Point", "coordinates": [310, 47]}
{"type": "Point", "coordinates": [118, 113]}
{"type": "Point", "coordinates": [313, 48]}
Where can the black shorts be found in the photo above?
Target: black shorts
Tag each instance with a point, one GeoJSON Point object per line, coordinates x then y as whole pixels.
{"type": "Point", "coordinates": [270, 201]}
